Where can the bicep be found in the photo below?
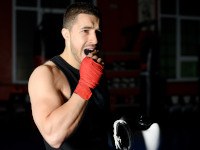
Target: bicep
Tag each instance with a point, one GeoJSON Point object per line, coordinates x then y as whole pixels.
{"type": "Point", "coordinates": [44, 97]}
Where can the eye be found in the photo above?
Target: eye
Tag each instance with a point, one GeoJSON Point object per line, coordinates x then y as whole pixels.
{"type": "Point", "coordinates": [85, 31]}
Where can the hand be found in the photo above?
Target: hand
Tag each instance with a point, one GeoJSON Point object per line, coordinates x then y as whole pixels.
{"type": "Point", "coordinates": [91, 70]}
{"type": "Point", "coordinates": [95, 57]}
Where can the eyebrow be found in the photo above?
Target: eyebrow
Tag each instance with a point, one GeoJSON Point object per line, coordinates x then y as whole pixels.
{"type": "Point", "coordinates": [88, 27]}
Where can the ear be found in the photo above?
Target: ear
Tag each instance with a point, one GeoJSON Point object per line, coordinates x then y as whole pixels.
{"type": "Point", "coordinates": [65, 33]}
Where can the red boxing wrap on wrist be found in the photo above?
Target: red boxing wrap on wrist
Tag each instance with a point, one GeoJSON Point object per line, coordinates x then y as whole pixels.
{"type": "Point", "coordinates": [90, 74]}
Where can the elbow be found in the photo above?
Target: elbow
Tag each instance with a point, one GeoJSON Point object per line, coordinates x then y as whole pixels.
{"type": "Point", "coordinates": [55, 136]}
{"type": "Point", "coordinates": [55, 145]}
{"type": "Point", "coordinates": [55, 140]}
{"type": "Point", "coordinates": [51, 136]}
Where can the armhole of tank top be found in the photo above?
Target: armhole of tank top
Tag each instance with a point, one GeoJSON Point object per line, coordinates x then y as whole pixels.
{"type": "Point", "coordinates": [58, 62]}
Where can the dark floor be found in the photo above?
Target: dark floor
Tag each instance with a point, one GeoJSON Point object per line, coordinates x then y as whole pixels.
{"type": "Point", "coordinates": [178, 132]}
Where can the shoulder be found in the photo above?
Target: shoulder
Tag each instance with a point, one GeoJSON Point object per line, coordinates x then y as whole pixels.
{"type": "Point", "coordinates": [44, 75]}
{"type": "Point", "coordinates": [46, 78]}
{"type": "Point", "coordinates": [43, 71]}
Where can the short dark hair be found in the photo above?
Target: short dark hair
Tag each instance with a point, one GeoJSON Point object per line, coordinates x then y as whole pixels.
{"type": "Point", "coordinates": [77, 8]}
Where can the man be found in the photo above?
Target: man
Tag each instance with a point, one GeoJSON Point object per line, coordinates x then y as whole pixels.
{"type": "Point", "coordinates": [69, 101]}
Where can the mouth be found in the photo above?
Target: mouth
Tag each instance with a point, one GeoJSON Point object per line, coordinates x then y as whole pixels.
{"type": "Point", "coordinates": [87, 51]}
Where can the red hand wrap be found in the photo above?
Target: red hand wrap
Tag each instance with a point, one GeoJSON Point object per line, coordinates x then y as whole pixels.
{"type": "Point", "coordinates": [90, 74]}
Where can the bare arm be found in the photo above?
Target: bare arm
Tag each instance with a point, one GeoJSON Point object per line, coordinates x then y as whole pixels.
{"type": "Point", "coordinates": [55, 119]}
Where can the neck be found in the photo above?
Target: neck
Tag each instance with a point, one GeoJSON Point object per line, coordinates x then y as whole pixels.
{"type": "Point", "coordinates": [69, 58]}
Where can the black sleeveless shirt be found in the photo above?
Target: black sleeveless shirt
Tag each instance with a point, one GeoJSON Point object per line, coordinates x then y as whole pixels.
{"type": "Point", "coordinates": [92, 131]}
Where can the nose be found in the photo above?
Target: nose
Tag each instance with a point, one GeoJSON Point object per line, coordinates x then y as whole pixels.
{"type": "Point", "coordinates": [93, 38]}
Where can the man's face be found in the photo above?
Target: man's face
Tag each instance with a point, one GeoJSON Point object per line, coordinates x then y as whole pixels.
{"type": "Point", "coordinates": [84, 35]}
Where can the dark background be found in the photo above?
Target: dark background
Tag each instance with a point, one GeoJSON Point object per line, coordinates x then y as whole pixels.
{"type": "Point", "coordinates": [135, 87]}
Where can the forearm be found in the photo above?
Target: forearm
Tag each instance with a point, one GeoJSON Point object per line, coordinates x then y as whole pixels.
{"type": "Point", "coordinates": [61, 123]}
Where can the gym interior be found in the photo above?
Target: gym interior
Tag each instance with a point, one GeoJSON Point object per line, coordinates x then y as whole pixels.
{"type": "Point", "coordinates": [151, 50]}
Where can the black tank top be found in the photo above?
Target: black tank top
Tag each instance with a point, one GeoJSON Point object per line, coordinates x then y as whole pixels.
{"type": "Point", "coordinates": [92, 131]}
